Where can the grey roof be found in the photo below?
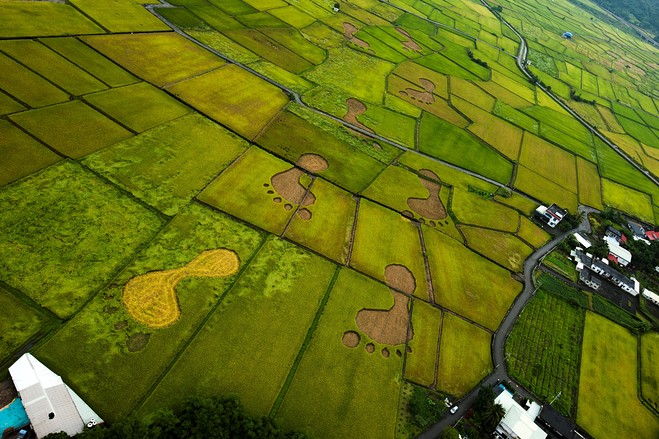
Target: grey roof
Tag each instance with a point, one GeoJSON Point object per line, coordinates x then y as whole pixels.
{"type": "Point", "coordinates": [636, 229]}
{"type": "Point", "coordinates": [613, 273]}
{"type": "Point", "coordinates": [613, 232]}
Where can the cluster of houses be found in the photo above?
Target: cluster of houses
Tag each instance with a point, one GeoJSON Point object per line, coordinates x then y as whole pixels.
{"type": "Point", "coordinates": [519, 421]}
{"type": "Point", "coordinates": [588, 265]}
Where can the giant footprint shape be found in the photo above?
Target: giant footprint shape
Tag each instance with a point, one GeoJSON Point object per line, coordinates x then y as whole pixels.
{"type": "Point", "coordinates": [151, 298]}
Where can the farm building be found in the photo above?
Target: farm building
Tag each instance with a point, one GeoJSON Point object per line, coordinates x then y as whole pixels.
{"type": "Point", "coordinates": [620, 255]}
{"type": "Point", "coordinates": [551, 215]}
{"type": "Point", "coordinates": [581, 239]}
{"type": "Point", "coordinates": [652, 297]}
{"type": "Point", "coordinates": [50, 404]}
{"type": "Point", "coordinates": [586, 262]}
{"type": "Point", "coordinates": [652, 235]}
{"type": "Point", "coordinates": [518, 423]}
{"type": "Point", "coordinates": [615, 234]}
{"type": "Point", "coordinates": [586, 276]}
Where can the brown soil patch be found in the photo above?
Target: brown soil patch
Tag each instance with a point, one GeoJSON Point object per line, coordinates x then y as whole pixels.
{"type": "Point", "coordinates": [7, 392]}
{"type": "Point", "coordinates": [426, 96]}
{"type": "Point", "coordinates": [390, 326]}
{"type": "Point", "coordinates": [399, 353]}
{"type": "Point", "coordinates": [313, 163]}
{"type": "Point", "coordinates": [120, 325]}
{"type": "Point", "coordinates": [409, 44]}
{"type": "Point", "coordinates": [377, 146]}
{"type": "Point", "coordinates": [137, 342]}
{"type": "Point", "coordinates": [276, 199]}
{"type": "Point", "coordinates": [351, 339]}
{"type": "Point", "coordinates": [287, 184]}
{"type": "Point", "coordinates": [370, 348]}
{"type": "Point", "coordinates": [304, 214]}
{"type": "Point", "coordinates": [355, 108]}
{"type": "Point", "coordinates": [151, 298]}
{"type": "Point", "coordinates": [432, 206]}
{"type": "Point", "coordinates": [349, 31]}
{"type": "Point", "coordinates": [385, 353]}
{"type": "Point", "coordinates": [287, 206]}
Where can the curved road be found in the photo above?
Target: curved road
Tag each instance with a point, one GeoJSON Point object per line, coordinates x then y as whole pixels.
{"type": "Point", "coordinates": [500, 336]}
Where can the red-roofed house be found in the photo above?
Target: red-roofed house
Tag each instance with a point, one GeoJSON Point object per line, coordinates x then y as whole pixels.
{"type": "Point", "coordinates": [652, 235]}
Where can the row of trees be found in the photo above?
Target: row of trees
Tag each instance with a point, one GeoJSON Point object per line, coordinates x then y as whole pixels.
{"type": "Point", "coordinates": [222, 418]}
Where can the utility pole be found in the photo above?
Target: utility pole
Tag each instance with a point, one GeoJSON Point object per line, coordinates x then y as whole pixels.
{"type": "Point", "coordinates": [556, 397]}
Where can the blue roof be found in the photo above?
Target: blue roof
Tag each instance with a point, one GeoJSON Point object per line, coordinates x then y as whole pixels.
{"type": "Point", "coordinates": [13, 416]}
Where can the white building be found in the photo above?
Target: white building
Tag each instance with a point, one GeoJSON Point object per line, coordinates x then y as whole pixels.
{"type": "Point", "coordinates": [622, 255]}
{"type": "Point", "coordinates": [518, 423]}
{"type": "Point", "coordinates": [585, 243]}
{"type": "Point", "coordinates": [652, 297]}
{"type": "Point", "coordinates": [49, 403]}
{"type": "Point", "coordinates": [551, 215]}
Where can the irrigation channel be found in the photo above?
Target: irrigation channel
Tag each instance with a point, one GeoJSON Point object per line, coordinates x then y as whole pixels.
{"type": "Point", "coordinates": [499, 373]}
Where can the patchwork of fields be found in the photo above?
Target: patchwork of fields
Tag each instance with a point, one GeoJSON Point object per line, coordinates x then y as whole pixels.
{"type": "Point", "coordinates": [167, 211]}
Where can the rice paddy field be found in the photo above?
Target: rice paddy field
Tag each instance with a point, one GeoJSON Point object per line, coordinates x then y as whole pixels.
{"type": "Point", "coordinates": [317, 209]}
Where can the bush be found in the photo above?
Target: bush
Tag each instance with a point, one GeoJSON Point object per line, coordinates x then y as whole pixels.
{"type": "Point", "coordinates": [425, 407]}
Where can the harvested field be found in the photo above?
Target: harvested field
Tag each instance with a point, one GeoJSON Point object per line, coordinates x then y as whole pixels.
{"type": "Point", "coordinates": [602, 407]}
{"type": "Point", "coordinates": [504, 248]}
{"type": "Point", "coordinates": [473, 209]}
{"type": "Point", "coordinates": [483, 294]}
{"type": "Point", "coordinates": [447, 142]}
{"type": "Point", "coordinates": [248, 102]}
{"type": "Point", "coordinates": [430, 207]}
{"type": "Point", "coordinates": [73, 128]}
{"type": "Point", "coordinates": [628, 200]}
{"type": "Point", "coordinates": [27, 86]}
{"type": "Point", "coordinates": [349, 31]}
{"type": "Point", "coordinates": [159, 58]}
{"type": "Point", "coordinates": [338, 391]}
{"type": "Point", "coordinates": [420, 365]}
{"type": "Point", "coordinates": [589, 184]}
{"type": "Point", "coordinates": [161, 166]}
{"type": "Point", "coordinates": [353, 175]}
{"type": "Point", "coordinates": [151, 298]}
{"type": "Point", "coordinates": [355, 108]}
{"type": "Point", "coordinates": [138, 106]}
{"type": "Point", "coordinates": [90, 343]}
{"type": "Point", "coordinates": [281, 279]}
{"type": "Point", "coordinates": [94, 222]}
{"type": "Point", "coordinates": [549, 161]}
{"type": "Point", "coordinates": [21, 154]}
{"type": "Point", "coordinates": [382, 238]}
{"type": "Point", "coordinates": [464, 356]}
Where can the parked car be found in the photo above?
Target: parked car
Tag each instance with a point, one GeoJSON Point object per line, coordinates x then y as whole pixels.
{"type": "Point", "coordinates": [454, 409]}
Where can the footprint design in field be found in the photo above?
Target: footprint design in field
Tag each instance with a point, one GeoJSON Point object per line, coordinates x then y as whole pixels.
{"type": "Point", "coordinates": [392, 326]}
{"type": "Point", "coordinates": [355, 108]}
{"type": "Point", "coordinates": [288, 188]}
{"type": "Point", "coordinates": [409, 44]}
{"type": "Point", "coordinates": [349, 31]}
{"type": "Point", "coordinates": [426, 96]}
{"type": "Point", "coordinates": [431, 207]}
{"type": "Point", "coordinates": [151, 298]}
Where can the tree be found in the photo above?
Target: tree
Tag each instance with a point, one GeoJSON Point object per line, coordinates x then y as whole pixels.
{"type": "Point", "coordinates": [491, 417]}
{"type": "Point", "coordinates": [599, 249]}
{"type": "Point", "coordinates": [484, 399]}
{"type": "Point", "coordinates": [450, 433]}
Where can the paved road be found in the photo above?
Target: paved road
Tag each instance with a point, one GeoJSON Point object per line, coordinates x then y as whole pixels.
{"type": "Point", "coordinates": [500, 336]}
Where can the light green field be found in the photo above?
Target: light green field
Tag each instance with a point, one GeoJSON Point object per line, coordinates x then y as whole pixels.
{"type": "Point", "coordinates": [504, 95]}
{"type": "Point", "coordinates": [269, 49]}
{"type": "Point", "coordinates": [483, 294]}
{"type": "Point", "coordinates": [68, 253]}
{"type": "Point", "coordinates": [519, 202]}
{"type": "Point", "coordinates": [609, 356]}
{"type": "Point", "coordinates": [531, 233]}
{"type": "Point", "coordinates": [52, 66]}
{"type": "Point", "coordinates": [568, 142]}
{"type": "Point", "coordinates": [471, 208]}
{"type": "Point", "coordinates": [627, 200]}
{"type": "Point", "coordinates": [413, 72]}
{"type": "Point", "coordinates": [120, 15]}
{"type": "Point", "coordinates": [138, 106]}
{"type": "Point", "coordinates": [361, 76]}
{"type": "Point", "coordinates": [589, 184]}
{"type": "Point", "coordinates": [338, 391]}
{"type": "Point", "coordinates": [281, 281]}
{"type": "Point", "coordinates": [353, 175]}
{"type": "Point", "coordinates": [27, 86]}
{"type": "Point", "coordinates": [640, 132]}
{"type": "Point", "coordinates": [390, 124]}
{"type": "Point", "coordinates": [517, 86]}
{"type": "Point", "coordinates": [21, 154]}
{"type": "Point", "coordinates": [246, 179]}
{"type": "Point", "coordinates": [36, 19]}
{"type": "Point", "coordinates": [545, 190]}
{"type": "Point", "coordinates": [384, 237]}
{"type": "Point", "coordinates": [551, 162]}
{"type": "Point", "coordinates": [420, 363]}
{"type": "Point", "coordinates": [561, 121]}
{"type": "Point", "coordinates": [329, 230]}
{"type": "Point", "coordinates": [515, 117]}
{"type": "Point", "coordinates": [447, 142]}
{"type": "Point", "coordinates": [293, 16]}
{"type": "Point", "coordinates": [101, 337]}
{"type": "Point", "coordinates": [24, 324]}
{"type": "Point", "coordinates": [86, 130]}
{"type": "Point", "coordinates": [649, 373]}
{"type": "Point", "coordinates": [159, 58]}
{"type": "Point", "coordinates": [503, 136]}
{"type": "Point", "coordinates": [503, 248]}
{"type": "Point", "coordinates": [464, 356]}
{"type": "Point", "coordinates": [161, 166]}
{"type": "Point", "coordinates": [88, 59]}
{"type": "Point", "coordinates": [615, 168]}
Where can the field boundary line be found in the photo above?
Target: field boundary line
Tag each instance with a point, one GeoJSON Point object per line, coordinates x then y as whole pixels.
{"type": "Point", "coordinates": [407, 338]}
{"type": "Point", "coordinates": [351, 245]}
{"type": "Point", "coordinates": [301, 205]}
{"type": "Point", "coordinates": [140, 403]}
{"type": "Point", "coordinates": [426, 263]}
{"type": "Point", "coordinates": [439, 345]}
{"type": "Point", "coordinates": [305, 344]}
{"type": "Point", "coordinates": [27, 300]}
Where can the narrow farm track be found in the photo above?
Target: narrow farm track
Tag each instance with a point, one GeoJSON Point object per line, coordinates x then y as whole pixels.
{"type": "Point", "coordinates": [499, 340]}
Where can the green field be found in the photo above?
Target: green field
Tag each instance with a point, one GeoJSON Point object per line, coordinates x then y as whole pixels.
{"type": "Point", "coordinates": [27, 86]}
{"type": "Point", "coordinates": [421, 361]}
{"type": "Point", "coordinates": [609, 356]}
{"type": "Point", "coordinates": [649, 373]}
{"type": "Point", "coordinates": [503, 248]}
{"type": "Point", "coordinates": [60, 257]}
{"type": "Point", "coordinates": [473, 209]}
{"type": "Point", "coordinates": [531, 233]}
{"type": "Point", "coordinates": [589, 184]}
{"type": "Point", "coordinates": [101, 337]}
{"type": "Point", "coordinates": [160, 166]}
{"type": "Point", "coordinates": [545, 190]}
{"type": "Point", "coordinates": [36, 19]}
